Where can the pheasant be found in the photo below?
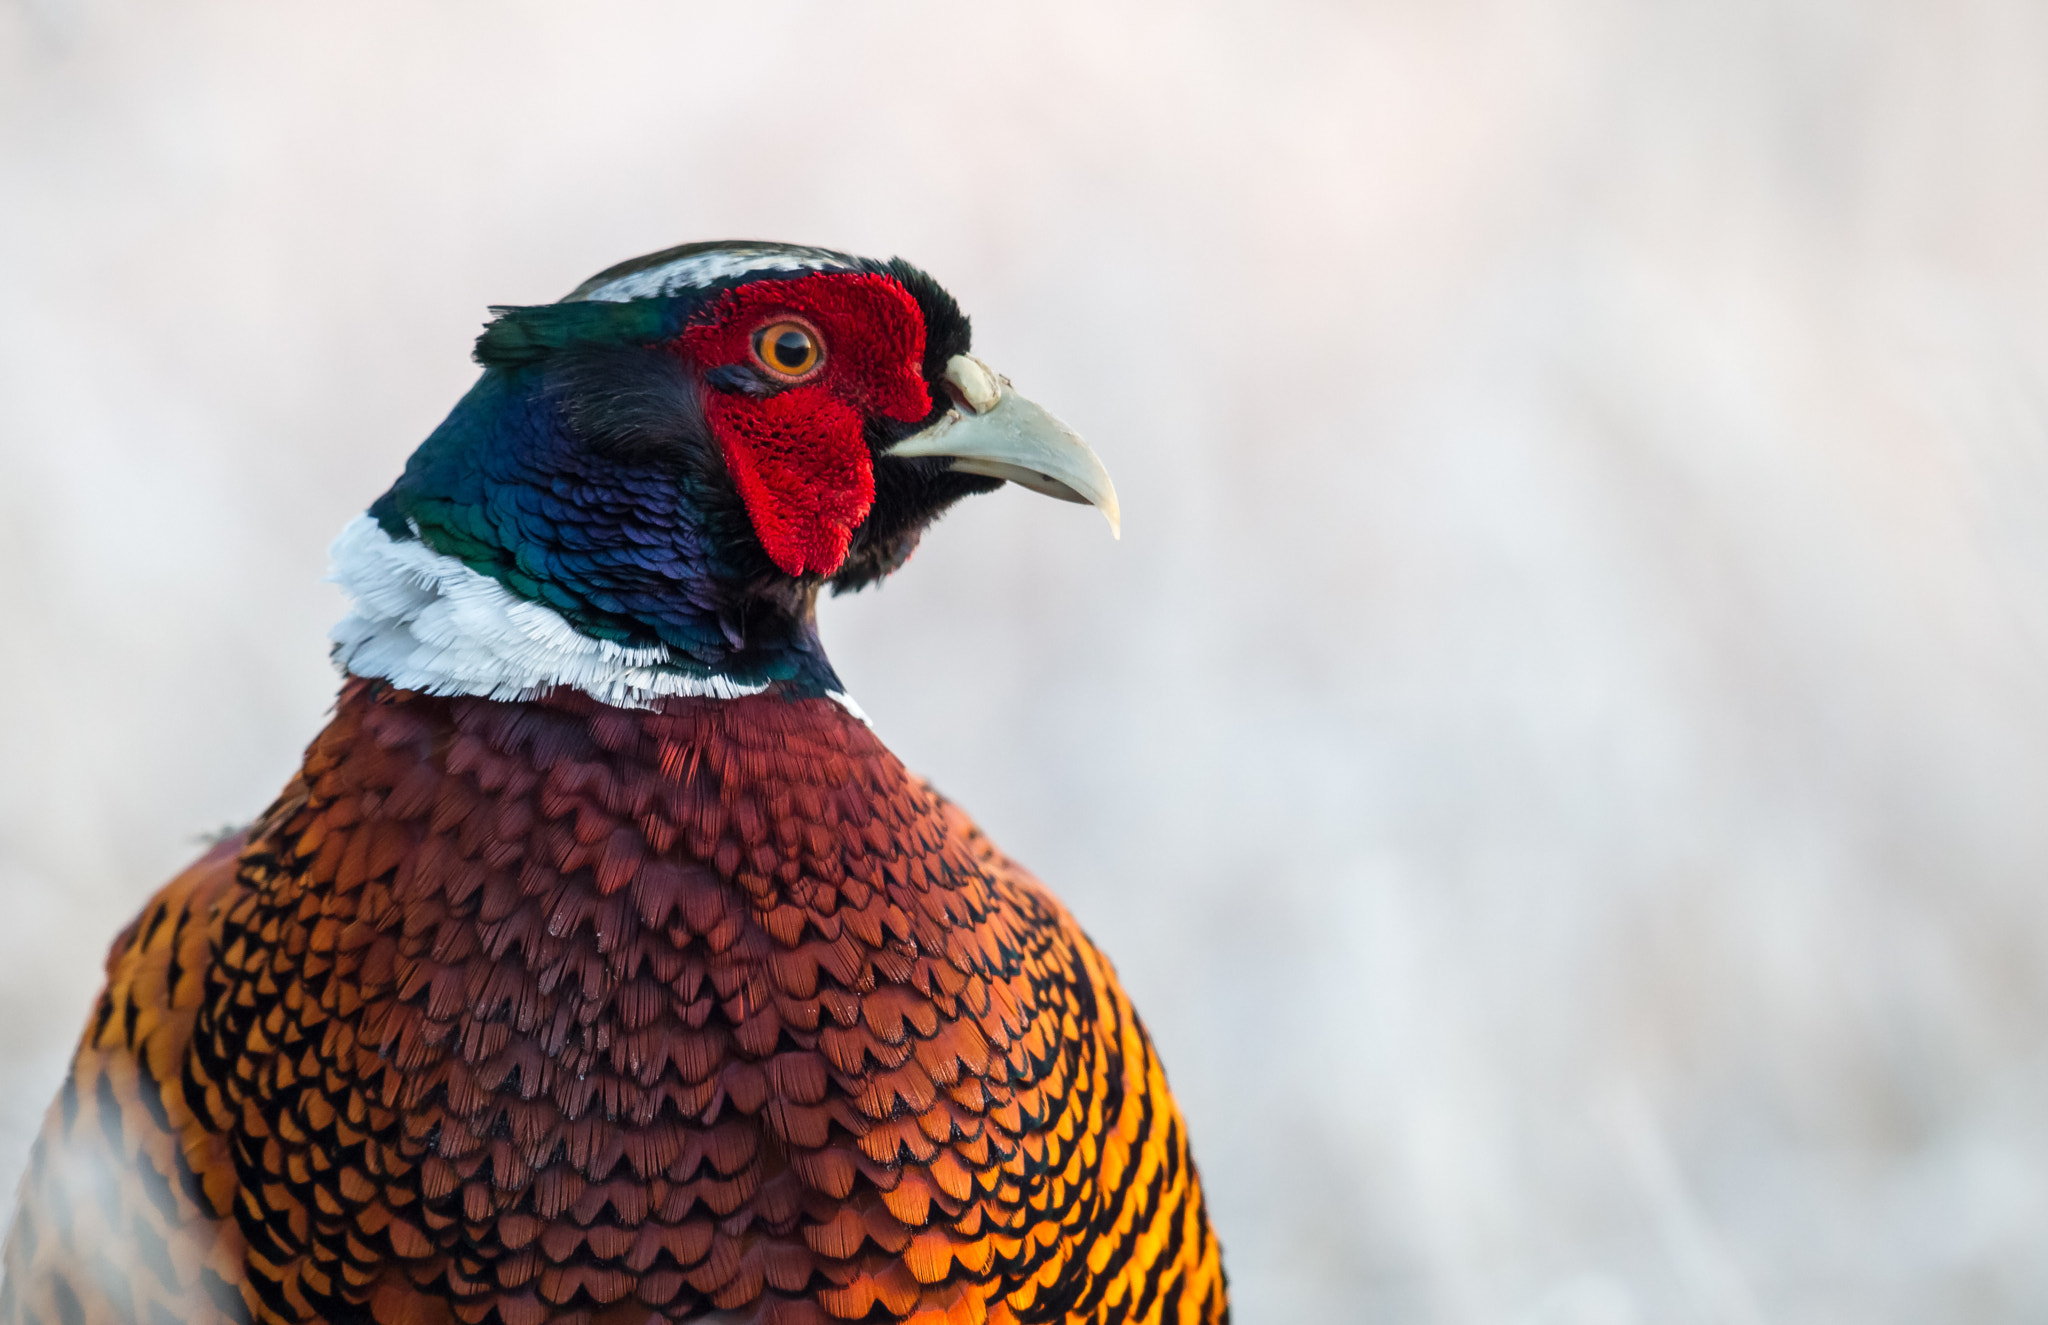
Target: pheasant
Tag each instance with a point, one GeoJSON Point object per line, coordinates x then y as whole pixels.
{"type": "Point", "coordinates": [600, 964]}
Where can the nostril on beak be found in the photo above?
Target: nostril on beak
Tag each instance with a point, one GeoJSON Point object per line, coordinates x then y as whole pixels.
{"type": "Point", "coordinates": [973, 387]}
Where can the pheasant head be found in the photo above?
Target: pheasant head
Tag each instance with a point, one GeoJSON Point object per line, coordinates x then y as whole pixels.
{"type": "Point", "coordinates": [654, 477]}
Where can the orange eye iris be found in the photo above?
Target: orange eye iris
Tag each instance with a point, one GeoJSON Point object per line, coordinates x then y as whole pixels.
{"type": "Point", "coordinates": [788, 349]}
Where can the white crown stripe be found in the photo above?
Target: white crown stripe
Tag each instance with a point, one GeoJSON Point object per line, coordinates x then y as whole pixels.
{"type": "Point", "coordinates": [701, 269]}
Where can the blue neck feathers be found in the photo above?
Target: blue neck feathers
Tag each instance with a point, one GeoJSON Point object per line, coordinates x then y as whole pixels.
{"type": "Point", "coordinates": [609, 516]}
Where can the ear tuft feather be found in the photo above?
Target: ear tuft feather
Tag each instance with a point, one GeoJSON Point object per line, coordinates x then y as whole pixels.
{"type": "Point", "coordinates": [523, 335]}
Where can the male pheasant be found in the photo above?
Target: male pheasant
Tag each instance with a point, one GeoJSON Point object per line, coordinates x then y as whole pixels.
{"type": "Point", "coordinates": [599, 964]}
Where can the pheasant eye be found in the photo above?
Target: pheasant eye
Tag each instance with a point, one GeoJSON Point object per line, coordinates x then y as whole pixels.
{"type": "Point", "coordinates": [787, 349]}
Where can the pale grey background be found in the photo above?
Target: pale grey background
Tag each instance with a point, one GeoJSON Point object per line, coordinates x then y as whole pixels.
{"type": "Point", "coordinates": [1559, 755]}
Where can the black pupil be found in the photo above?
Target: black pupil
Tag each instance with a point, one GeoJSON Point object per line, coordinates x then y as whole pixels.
{"type": "Point", "coordinates": [792, 349]}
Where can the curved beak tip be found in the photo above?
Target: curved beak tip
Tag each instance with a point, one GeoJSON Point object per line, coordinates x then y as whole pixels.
{"type": "Point", "coordinates": [996, 432]}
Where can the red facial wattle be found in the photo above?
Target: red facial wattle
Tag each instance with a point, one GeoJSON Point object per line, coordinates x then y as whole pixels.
{"type": "Point", "coordinates": [799, 456]}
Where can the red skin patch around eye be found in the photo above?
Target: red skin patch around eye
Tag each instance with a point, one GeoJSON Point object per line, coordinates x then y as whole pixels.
{"type": "Point", "coordinates": [799, 457]}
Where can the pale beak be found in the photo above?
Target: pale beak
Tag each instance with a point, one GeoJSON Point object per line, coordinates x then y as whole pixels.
{"type": "Point", "coordinates": [991, 430]}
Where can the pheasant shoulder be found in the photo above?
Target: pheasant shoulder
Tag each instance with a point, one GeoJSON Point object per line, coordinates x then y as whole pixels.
{"type": "Point", "coordinates": [123, 1210]}
{"type": "Point", "coordinates": [554, 1012]}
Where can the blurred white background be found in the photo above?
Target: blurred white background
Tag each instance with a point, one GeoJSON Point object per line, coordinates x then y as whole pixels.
{"type": "Point", "coordinates": [1560, 755]}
